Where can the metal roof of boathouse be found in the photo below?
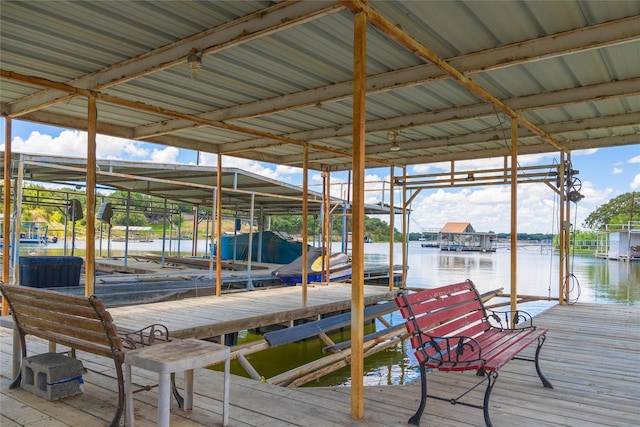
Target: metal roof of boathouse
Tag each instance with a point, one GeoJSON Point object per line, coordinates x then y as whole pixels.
{"type": "Point", "coordinates": [192, 184]}
{"type": "Point", "coordinates": [271, 76]}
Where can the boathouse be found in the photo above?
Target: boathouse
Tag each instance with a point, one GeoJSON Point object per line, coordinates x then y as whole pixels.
{"type": "Point", "coordinates": [619, 241]}
{"type": "Point", "coordinates": [460, 236]}
{"type": "Point", "coordinates": [330, 86]}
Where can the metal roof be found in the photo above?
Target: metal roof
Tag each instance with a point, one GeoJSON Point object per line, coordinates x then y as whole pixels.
{"type": "Point", "coordinates": [191, 184]}
{"type": "Point", "coordinates": [276, 75]}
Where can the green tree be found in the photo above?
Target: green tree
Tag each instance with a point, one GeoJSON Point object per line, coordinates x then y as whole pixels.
{"type": "Point", "coordinates": [135, 219]}
{"type": "Point", "coordinates": [619, 210]}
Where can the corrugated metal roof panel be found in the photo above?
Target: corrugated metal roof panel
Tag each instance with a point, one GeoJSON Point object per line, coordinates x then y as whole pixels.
{"type": "Point", "coordinates": [294, 77]}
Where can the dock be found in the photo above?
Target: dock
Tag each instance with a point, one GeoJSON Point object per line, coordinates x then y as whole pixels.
{"type": "Point", "coordinates": [145, 280]}
{"type": "Point", "coordinates": [210, 317]}
{"type": "Point", "coordinates": [590, 356]}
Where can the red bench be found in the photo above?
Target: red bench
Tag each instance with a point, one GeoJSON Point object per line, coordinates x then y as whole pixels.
{"type": "Point", "coordinates": [451, 330]}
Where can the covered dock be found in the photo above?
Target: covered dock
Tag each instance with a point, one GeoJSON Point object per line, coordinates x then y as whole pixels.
{"type": "Point", "coordinates": [335, 86]}
{"type": "Point", "coordinates": [594, 375]}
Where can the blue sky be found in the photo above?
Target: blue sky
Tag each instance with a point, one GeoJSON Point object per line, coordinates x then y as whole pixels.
{"type": "Point", "coordinates": [605, 174]}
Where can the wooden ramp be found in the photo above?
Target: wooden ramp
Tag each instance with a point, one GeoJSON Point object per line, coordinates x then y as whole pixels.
{"type": "Point", "coordinates": [591, 356]}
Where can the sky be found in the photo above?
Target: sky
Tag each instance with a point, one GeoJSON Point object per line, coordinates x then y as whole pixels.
{"type": "Point", "coordinates": [604, 174]}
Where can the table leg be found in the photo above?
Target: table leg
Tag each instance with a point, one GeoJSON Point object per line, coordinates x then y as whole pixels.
{"type": "Point", "coordinates": [225, 398]}
{"type": "Point", "coordinates": [128, 392]}
{"type": "Point", "coordinates": [188, 390]}
{"type": "Point", "coordinates": [164, 399]}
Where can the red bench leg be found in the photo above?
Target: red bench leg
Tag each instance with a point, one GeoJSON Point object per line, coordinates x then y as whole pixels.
{"type": "Point", "coordinates": [491, 380]}
{"type": "Point", "coordinates": [415, 419]}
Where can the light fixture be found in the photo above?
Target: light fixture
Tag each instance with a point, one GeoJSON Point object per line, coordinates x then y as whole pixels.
{"type": "Point", "coordinates": [194, 60]}
{"type": "Point", "coordinates": [392, 136]}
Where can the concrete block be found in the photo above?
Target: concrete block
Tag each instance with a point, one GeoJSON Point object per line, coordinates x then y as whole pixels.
{"type": "Point", "coordinates": [52, 376]}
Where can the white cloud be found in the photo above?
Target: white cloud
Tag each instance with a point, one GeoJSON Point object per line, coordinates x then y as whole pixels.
{"type": "Point", "coordinates": [284, 170]}
{"type": "Point", "coordinates": [73, 143]}
{"type": "Point", "coordinates": [279, 173]}
{"type": "Point", "coordinates": [635, 159]}
{"type": "Point", "coordinates": [68, 143]}
{"type": "Point", "coordinates": [478, 164]}
{"type": "Point", "coordinates": [166, 155]}
{"type": "Point", "coordinates": [489, 208]}
{"type": "Point", "coordinates": [635, 184]}
{"type": "Point", "coordinates": [585, 152]}
{"type": "Point", "coordinates": [617, 171]}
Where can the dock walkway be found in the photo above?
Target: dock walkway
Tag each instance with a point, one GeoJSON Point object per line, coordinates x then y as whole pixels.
{"type": "Point", "coordinates": [211, 316]}
{"type": "Point", "coordinates": [591, 356]}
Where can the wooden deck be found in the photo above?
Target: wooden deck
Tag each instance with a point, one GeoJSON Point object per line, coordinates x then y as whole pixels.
{"type": "Point", "coordinates": [214, 316]}
{"type": "Point", "coordinates": [591, 356]}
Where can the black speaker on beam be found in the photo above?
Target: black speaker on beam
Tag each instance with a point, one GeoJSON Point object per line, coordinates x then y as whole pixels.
{"type": "Point", "coordinates": [105, 212]}
{"type": "Point", "coordinates": [75, 210]}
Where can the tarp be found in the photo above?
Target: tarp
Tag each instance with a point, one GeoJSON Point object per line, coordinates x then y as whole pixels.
{"type": "Point", "coordinates": [278, 248]}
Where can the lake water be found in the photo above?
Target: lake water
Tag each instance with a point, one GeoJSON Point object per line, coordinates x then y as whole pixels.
{"type": "Point", "coordinates": [599, 281]}
{"type": "Point", "coordinates": [596, 281]}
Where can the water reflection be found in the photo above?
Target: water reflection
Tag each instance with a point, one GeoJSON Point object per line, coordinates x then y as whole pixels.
{"type": "Point", "coordinates": [600, 280]}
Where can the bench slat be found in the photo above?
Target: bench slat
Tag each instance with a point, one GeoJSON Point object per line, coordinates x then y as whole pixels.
{"type": "Point", "coordinates": [38, 293]}
{"type": "Point", "coordinates": [438, 293]}
{"type": "Point", "coordinates": [501, 353]}
{"type": "Point", "coordinates": [71, 342]}
{"type": "Point", "coordinates": [432, 321]}
{"type": "Point", "coordinates": [74, 329]}
{"type": "Point", "coordinates": [432, 305]}
{"type": "Point", "coordinates": [62, 318]}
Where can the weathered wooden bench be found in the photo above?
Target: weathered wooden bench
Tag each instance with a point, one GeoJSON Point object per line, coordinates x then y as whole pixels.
{"type": "Point", "coordinates": [451, 330]}
{"type": "Point", "coordinates": [79, 323]}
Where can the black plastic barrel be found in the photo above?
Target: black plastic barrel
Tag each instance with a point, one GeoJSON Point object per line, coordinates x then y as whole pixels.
{"type": "Point", "coordinates": [50, 271]}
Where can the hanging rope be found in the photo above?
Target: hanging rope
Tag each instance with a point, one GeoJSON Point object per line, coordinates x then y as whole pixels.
{"type": "Point", "coordinates": [574, 288]}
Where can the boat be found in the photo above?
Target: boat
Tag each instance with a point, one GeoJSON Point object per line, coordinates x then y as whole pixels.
{"type": "Point", "coordinates": [339, 268]}
{"type": "Point", "coordinates": [35, 233]}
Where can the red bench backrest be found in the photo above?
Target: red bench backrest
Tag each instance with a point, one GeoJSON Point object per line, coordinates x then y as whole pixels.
{"type": "Point", "coordinates": [449, 310]}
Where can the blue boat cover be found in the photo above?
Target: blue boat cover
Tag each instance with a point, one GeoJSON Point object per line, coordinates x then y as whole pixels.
{"type": "Point", "coordinates": [277, 248]}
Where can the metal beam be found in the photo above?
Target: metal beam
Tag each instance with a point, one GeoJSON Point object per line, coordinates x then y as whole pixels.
{"type": "Point", "coordinates": [265, 22]}
{"type": "Point", "coordinates": [494, 136]}
{"type": "Point", "coordinates": [565, 43]}
{"type": "Point", "coordinates": [397, 34]}
{"type": "Point", "coordinates": [10, 75]}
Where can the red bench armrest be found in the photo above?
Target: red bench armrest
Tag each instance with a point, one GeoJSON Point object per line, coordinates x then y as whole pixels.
{"type": "Point", "coordinates": [458, 349]}
{"type": "Point", "coordinates": [502, 319]}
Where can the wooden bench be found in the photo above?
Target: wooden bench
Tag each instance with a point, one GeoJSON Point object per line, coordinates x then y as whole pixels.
{"type": "Point", "coordinates": [451, 330]}
{"type": "Point", "coordinates": [79, 323]}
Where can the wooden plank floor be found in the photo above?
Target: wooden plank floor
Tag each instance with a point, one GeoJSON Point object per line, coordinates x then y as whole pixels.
{"type": "Point", "coordinates": [213, 316]}
{"type": "Point", "coordinates": [591, 356]}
